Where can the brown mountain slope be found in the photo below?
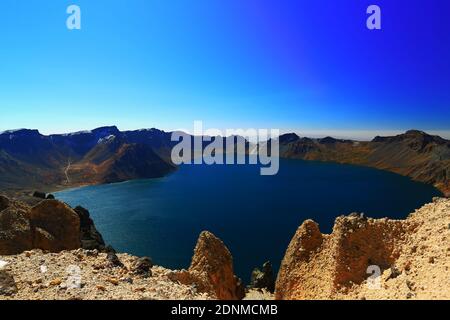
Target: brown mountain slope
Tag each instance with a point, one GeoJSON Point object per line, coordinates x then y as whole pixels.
{"type": "Point", "coordinates": [415, 154]}
{"type": "Point", "coordinates": [16, 174]}
{"type": "Point", "coordinates": [115, 161]}
{"type": "Point", "coordinates": [29, 160]}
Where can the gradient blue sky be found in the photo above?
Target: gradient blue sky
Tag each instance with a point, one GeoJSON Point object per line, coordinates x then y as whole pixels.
{"type": "Point", "coordinates": [309, 65]}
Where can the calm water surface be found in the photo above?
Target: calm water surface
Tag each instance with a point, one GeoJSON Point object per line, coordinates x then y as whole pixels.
{"type": "Point", "coordinates": [256, 216]}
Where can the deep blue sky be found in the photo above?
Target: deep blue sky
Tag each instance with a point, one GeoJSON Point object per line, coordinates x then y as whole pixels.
{"type": "Point", "coordinates": [310, 65]}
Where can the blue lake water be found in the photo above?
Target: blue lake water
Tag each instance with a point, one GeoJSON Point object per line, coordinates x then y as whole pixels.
{"type": "Point", "coordinates": [256, 216]}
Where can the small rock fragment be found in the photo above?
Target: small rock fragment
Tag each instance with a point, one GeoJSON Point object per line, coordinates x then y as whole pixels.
{"type": "Point", "coordinates": [114, 281]}
{"type": "Point", "coordinates": [55, 282]}
{"type": "Point", "coordinates": [393, 273]}
{"type": "Point", "coordinates": [7, 284]}
{"type": "Point", "coordinates": [143, 267]}
{"type": "Point", "coordinates": [114, 260]}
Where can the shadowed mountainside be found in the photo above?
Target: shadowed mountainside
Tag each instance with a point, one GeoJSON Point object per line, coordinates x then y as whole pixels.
{"type": "Point", "coordinates": [416, 154]}
{"type": "Point", "coordinates": [30, 160]}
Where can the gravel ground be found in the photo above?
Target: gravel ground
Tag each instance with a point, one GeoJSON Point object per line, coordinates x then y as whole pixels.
{"type": "Point", "coordinates": [82, 274]}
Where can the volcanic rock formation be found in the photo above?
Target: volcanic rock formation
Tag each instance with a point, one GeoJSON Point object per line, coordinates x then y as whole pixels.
{"type": "Point", "coordinates": [49, 225]}
{"type": "Point", "coordinates": [211, 270]}
{"type": "Point", "coordinates": [412, 257]}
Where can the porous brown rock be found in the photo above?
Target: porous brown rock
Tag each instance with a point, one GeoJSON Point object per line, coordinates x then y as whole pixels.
{"type": "Point", "coordinates": [50, 225]}
{"type": "Point", "coordinates": [316, 266]}
{"type": "Point", "coordinates": [296, 277]}
{"type": "Point", "coordinates": [56, 226]}
{"type": "Point", "coordinates": [15, 229]}
{"type": "Point", "coordinates": [211, 270]}
{"type": "Point", "coordinates": [340, 265]}
{"type": "Point", "coordinates": [359, 243]}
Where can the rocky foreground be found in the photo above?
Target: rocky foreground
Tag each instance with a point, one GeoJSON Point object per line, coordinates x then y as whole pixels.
{"type": "Point", "coordinates": [87, 275]}
{"type": "Point", "coordinates": [412, 256]}
{"type": "Point", "coordinates": [51, 251]}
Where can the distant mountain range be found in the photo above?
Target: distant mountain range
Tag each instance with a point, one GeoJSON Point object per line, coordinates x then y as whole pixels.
{"type": "Point", "coordinates": [30, 160]}
{"type": "Point", "coordinates": [416, 154]}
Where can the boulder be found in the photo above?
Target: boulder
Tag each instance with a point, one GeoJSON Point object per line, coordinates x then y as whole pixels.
{"type": "Point", "coordinates": [143, 267]}
{"type": "Point", "coordinates": [55, 225]}
{"type": "Point", "coordinates": [15, 231]}
{"type": "Point", "coordinates": [264, 278]}
{"type": "Point", "coordinates": [113, 260]}
{"type": "Point", "coordinates": [48, 225]}
{"type": "Point", "coordinates": [211, 270]}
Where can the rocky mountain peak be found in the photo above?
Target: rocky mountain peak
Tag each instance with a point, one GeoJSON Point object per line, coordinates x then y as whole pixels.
{"type": "Point", "coordinates": [414, 132]}
{"type": "Point", "coordinates": [331, 140]}
{"type": "Point", "coordinates": [288, 138]}
{"type": "Point", "coordinates": [102, 132]}
{"type": "Point", "coordinates": [21, 133]}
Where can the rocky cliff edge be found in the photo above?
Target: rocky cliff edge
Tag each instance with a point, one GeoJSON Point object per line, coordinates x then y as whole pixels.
{"type": "Point", "coordinates": [51, 251]}
{"type": "Point", "coordinates": [367, 258]}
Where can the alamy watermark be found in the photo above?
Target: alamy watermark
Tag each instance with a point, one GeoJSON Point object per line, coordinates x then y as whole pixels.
{"type": "Point", "coordinates": [374, 281]}
{"type": "Point", "coordinates": [73, 21]}
{"type": "Point", "coordinates": [374, 20]}
{"type": "Point", "coordinates": [230, 146]}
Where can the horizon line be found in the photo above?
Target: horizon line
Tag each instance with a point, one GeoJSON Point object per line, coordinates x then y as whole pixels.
{"type": "Point", "coordinates": [359, 135]}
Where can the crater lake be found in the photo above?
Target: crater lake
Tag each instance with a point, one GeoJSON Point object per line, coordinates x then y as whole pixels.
{"type": "Point", "coordinates": [255, 216]}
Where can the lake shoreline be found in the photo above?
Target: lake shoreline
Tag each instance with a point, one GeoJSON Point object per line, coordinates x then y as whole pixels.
{"type": "Point", "coordinates": [157, 207]}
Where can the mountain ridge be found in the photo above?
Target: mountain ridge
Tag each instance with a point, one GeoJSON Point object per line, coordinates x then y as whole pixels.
{"type": "Point", "coordinates": [88, 157]}
{"type": "Point", "coordinates": [29, 159]}
{"type": "Point", "coordinates": [416, 154]}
